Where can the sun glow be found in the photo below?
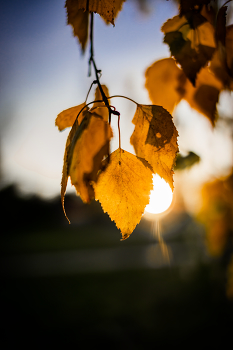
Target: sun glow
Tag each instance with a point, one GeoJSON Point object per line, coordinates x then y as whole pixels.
{"type": "Point", "coordinates": [160, 197]}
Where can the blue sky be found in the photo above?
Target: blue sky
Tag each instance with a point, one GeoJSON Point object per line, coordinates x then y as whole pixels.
{"type": "Point", "coordinates": [43, 72]}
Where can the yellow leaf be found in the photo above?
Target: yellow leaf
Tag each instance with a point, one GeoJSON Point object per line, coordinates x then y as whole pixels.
{"type": "Point", "coordinates": [78, 18]}
{"type": "Point", "coordinates": [191, 39]}
{"type": "Point", "coordinates": [87, 144]}
{"type": "Point", "coordinates": [204, 96]}
{"type": "Point", "coordinates": [78, 15]}
{"type": "Point", "coordinates": [165, 83]}
{"type": "Point", "coordinates": [67, 117]}
{"type": "Point", "coordinates": [107, 9]}
{"type": "Point", "coordinates": [123, 190]}
{"type": "Point", "coordinates": [99, 107]}
{"type": "Point", "coordinates": [155, 139]}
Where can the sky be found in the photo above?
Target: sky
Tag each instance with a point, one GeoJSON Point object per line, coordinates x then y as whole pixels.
{"type": "Point", "coordinates": [43, 72]}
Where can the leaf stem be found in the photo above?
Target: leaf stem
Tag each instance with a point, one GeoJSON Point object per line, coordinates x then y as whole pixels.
{"type": "Point", "coordinates": [97, 72]}
{"type": "Point", "coordinates": [121, 96]}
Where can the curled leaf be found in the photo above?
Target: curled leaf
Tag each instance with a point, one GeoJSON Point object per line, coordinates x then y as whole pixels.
{"type": "Point", "coordinates": [204, 97]}
{"type": "Point", "coordinates": [99, 107]}
{"type": "Point", "coordinates": [191, 39]}
{"type": "Point", "coordinates": [78, 15]}
{"type": "Point", "coordinates": [86, 146]}
{"type": "Point", "coordinates": [165, 83]}
{"type": "Point", "coordinates": [123, 190]}
{"type": "Point", "coordinates": [66, 118]}
{"type": "Point", "coordinates": [155, 139]}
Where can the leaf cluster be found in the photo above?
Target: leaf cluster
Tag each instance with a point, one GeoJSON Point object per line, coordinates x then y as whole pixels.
{"type": "Point", "coordinates": [200, 66]}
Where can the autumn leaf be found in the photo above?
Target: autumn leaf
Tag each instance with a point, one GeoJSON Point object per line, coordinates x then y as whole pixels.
{"type": "Point", "coordinates": [192, 5]}
{"type": "Point", "coordinates": [204, 97]}
{"type": "Point", "coordinates": [165, 83]}
{"type": "Point", "coordinates": [222, 62]}
{"type": "Point", "coordinates": [123, 190]}
{"type": "Point", "coordinates": [78, 15]}
{"type": "Point", "coordinates": [87, 144]}
{"type": "Point", "coordinates": [191, 40]}
{"type": "Point", "coordinates": [79, 19]}
{"type": "Point", "coordinates": [167, 86]}
{"type": "Point", "coordinates": [66, 118]}
{"type": "Point", "coordinates": [155, 139]}
{"type": "Point", "coordinates": [99, 107]}
{"type": "Point", "coordinates": [216, 213]}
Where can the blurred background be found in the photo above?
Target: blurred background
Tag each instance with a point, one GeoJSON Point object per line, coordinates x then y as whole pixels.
{"type": "Point", "coordinates": [172, 280]}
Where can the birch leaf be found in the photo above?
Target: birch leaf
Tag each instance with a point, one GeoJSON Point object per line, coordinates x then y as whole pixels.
{"type": "Point", "coordinates": [86, 146]}
{"type": "Point", "coordinates": [78, 15]}
{"type": "Point", "coordinates": [204, 97]}
{"type": "Point", "coordinates": [165, 83]}
{"type": "Point", "coordinates": [79, 19]}
{"type": "Point", "coordinates": [155, 139]}
{"type": "Point", "coordinates": [99, 107]}
{"type": "Point", "coordinates": [66, 118]}
{"type": "Point", "coordinates": [107, 9]}
{"type": "Point", "coordinates": [191, 40]}
{"type": "Point", "coordinates": [123, 190]}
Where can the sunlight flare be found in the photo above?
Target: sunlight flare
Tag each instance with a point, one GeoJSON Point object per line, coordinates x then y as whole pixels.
{"type": "Point", "coordinates": [160, 197]}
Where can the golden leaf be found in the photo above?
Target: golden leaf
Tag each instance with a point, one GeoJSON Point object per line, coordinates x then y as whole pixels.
{"type": "Point", "coordinates": [99, 107]}
{"type": "Point", "coordinates": [123, 190]}
{"type": "Point", "coordinates": [87, 144]}
{"type": "Point", "coordinates": [107, 9]}
{"type": "Point", "coordinates": [155, 139]}
{"type": "Point", "coordinates": [78, 18]}
{"type": "Point", "coordinates": [67, 117]}
{"type": "Point", "coordinates": [165, 83]}
{"type": "Point", "coordinates": [204, 97]}
{"type": "Point", "coordinates": [191, 39]}
{"type": "Point", "coordinates": [78, 15]}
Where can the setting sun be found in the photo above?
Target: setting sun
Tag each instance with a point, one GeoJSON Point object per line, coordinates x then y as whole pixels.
{"type": "Point", "coordinates": [160, 197]}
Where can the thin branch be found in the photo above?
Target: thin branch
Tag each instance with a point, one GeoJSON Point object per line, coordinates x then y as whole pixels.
{"type": "Point", "coordinates": [97, 72]}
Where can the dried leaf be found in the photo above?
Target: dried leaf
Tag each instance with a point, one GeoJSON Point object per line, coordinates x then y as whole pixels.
{"type": "Point", "coordinates": [155, 139]}
{"type": "Point", "coordinates": [123, 190]}
{"type": "Point", "coordinates": [107, 9]}
{"type": "Point", "coordinates": [99, 107]}
{"type": "Point", "coordinates": [66, 118]}
{"type": "Point", "coordinates": [78, 17]}
{"type": "Point", "coordinates": [86, 146]}
{"type": "Point", "coordinates": [221, 64]}
{"type": "Point", "coordinates": [165, 83]}
{"type": "Point", "coordinates": [204, 97]}
{"type": "Point", "coordinates": [192, 5]}
{"type": "Point", "coordinates": [191, 40]}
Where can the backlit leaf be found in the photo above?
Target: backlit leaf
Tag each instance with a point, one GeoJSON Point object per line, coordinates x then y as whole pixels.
{"type": "Point", "coordinates": [192, 5]}
{"type": "Point", "coordinates": [99, 107]}
{"type": "Point", "coordinates": [222, 62]}
{"type": "Point", "coordinates": [78, 15]}
{"type": "Point", "coordinates": [165, 83]}
{"type": "Point", "coordinates": [67, 117]}
{"type": "Point", "coordinates": [123, 190]}
{"type": "Point", "coordinates": [155, 139]}
{"type": "Point", "coordinates": [107, 9]}
{"type": "Point", "coordinates": [191, 40]}
{"type": "Point", "coordinates": [79, 19]}
{"type": "Point", "coordinates": [86, 146]}
{"type": "Point", "coordinates": [204, 97]}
